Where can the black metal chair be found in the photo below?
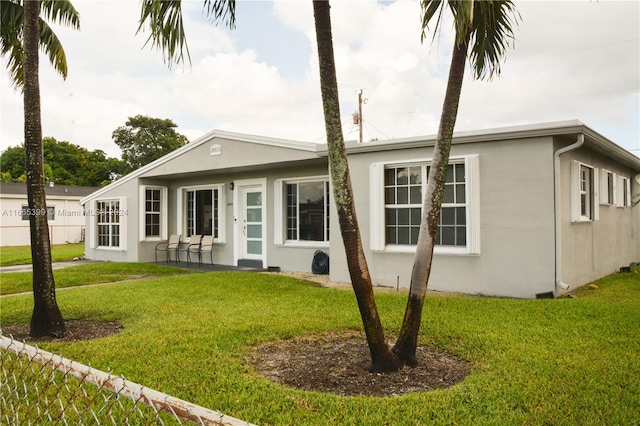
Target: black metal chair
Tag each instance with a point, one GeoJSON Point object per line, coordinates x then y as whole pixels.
{"type": "Point", "coordinates": [169, 246]}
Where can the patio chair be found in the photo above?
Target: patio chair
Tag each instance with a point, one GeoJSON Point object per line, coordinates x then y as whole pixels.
{"type": "Point", "coordinates": [206, 246]}
{"type": "Point", "coordinates": [192, 247]}
{"type": "Point", "coordinates": [169, 246]}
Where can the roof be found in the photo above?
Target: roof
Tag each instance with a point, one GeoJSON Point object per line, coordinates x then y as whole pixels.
{"type": "Point", "coordinates": [241, 137]}
{"type": "Point", "coordinates": [559, 128]}
{"type": "Point", "coordinates": [567, 128]}
{"type": "Point", "coordinates": [59, 191]}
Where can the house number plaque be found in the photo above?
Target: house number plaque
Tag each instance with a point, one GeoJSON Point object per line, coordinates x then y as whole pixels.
{"type": "Point", "coordinates": [216, 149]}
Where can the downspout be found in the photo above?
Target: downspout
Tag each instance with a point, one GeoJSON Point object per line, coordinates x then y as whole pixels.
{"type": "Point", "coordinates": [558, 207]}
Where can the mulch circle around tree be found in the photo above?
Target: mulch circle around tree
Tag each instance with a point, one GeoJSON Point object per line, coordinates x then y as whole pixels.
{"type": "Point", "coordinates": [76, 330]}
{"type": "Point", "coordinates": [338, 364]}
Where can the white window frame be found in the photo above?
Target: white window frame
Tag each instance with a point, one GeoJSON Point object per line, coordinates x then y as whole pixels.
{"type": "Point", "coordinates": [280, 206]}
{"type": "Point", "coordinates": [164, 217]}
{"type": "Point", "coordinates": [472, 202]}
{"type": "Point", "coordinates": [577, 190]}
{"type": "Point", "coordinates": [222, 203]}
{"type": "Point", "coordinates": [623, 196]}
{"type": "Point", "coordinates": [607, 193]}
{"type": "Point", "coordinates": [122, 212]}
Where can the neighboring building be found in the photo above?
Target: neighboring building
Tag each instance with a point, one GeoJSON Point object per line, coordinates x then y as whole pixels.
{"type": "Point", "coordinates": [528, 211]}
{"type": "Point", "coordinates": [64, 212]}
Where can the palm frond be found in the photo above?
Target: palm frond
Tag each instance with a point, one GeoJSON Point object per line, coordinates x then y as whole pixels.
{"type": "Point", "coordinates": [489, 23]}
{"type": "Point", "coordinates": [60, 11]}
{"type": "Point", "coordinates": [52, 47]}
{"type": "Point", "coordinates": [218, 10]}
{"type": "Point", "coordinates": [164, 20]}
{"type": "Point", "coordinates": [492, 32]}
{"type": "Point", "coordinates": [11, 35]}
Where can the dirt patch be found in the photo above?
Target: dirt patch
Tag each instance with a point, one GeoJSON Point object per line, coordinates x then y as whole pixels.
{"type": "Point", "coordinates": [76, 330]}
{"type": "Point", "coordinates": [338, 363]}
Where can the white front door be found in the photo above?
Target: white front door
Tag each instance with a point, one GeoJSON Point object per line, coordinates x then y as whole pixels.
{"type": "Point", "coordinates": [251, 221]}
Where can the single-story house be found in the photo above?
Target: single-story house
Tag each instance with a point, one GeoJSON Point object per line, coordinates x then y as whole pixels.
{"type": "Point", "coordinates": [64, 212]}
{"type": "Point", "coordinates": [528, 211]}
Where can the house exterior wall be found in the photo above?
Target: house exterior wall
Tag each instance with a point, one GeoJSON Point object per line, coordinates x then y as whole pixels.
{"type": "Point", "coordinates": [516, 223]}
{"type": "Point", "coordinates": [127, 195]}
{"type": "Point", "coordinates": [66, 226]}
{"type": "Point", "coordinates": [288, 256]}
{"type": "Point", "coordinates": [595, 248]}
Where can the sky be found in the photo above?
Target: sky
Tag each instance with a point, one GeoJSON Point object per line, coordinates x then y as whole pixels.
{"type": "Point", "coordinates": [569, 60]}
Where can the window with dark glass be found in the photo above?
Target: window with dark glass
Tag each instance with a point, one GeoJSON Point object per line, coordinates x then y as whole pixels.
{"type": "Point", "coordinates": [307, 211]}
{"type": "Point", "coordinates": [152, 212]}
{"type": "Point", "coordinates": [202, 212]}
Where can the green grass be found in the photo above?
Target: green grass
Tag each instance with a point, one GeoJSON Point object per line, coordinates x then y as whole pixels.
{"type": "Point", "coordinates": [21, 255]}
{"type": "Point", "coordinates": [534, 362]}
{"type": "Point", "coordinates": [92, 273]}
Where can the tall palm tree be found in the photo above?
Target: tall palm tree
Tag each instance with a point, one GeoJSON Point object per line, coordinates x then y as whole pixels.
{"type": "Point", "coordinates": [21, 36]}
{"type": "Point", "coordinates": [487, 28]}
{"type": "Point", "coordinates": [382, 359]}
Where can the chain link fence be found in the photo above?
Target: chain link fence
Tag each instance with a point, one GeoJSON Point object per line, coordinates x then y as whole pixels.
{"type": "Point", "coordinates": [38, 387]}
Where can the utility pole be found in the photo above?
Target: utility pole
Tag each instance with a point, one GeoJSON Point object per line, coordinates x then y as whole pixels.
{"type": "Point", "coordinates": [357, 116]}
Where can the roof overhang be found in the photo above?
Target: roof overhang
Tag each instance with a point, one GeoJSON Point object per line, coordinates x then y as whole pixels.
{"type": "Point", "coordinates": [560, 128]}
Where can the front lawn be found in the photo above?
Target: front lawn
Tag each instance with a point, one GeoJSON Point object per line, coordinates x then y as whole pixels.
{"type": "Point", "coordinates": [560, 362]}
{"type": "Point", "coordinates": [21, 255]}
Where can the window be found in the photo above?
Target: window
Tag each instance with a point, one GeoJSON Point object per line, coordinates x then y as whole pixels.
{"type": "Point", "coordinates": [152, 212]}
{"type": "Point", "coordinates": [397, 210]}
{"type": "Point", "coordinates": [307, 211]}
{"type": "Point", "coordinates": [404, 187]}
{"type": "Point", "coordinates": [607, 187]}
{"type": "Point", "coordinates": [108, 215]}
{"type": "Point", "coordinates": [623, 196]}
{"type": "Point", "coordinates": [26, 212]}
{"type": "Point", "coordinates": [153, 222]}
{"type": "Point", "coordinates": [201, 211]}
{"type": "Point", "coordinates": [302, 211]}
{"type": "Point", "coordinates": [584, 194]}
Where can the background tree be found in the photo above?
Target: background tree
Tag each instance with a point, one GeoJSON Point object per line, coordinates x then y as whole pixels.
{"type": "Point", "coordinates": [65, 164]}
{"type": "Point", "coordinates": [46, 318]}
{"type": "Point", "coordinates": [144, 139]}
{"type": "Point", "coordinates": [487, 28]}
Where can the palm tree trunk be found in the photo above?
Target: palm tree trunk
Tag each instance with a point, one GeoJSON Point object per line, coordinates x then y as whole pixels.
{"type": "Point", "coordinates": [382, 359]}
{"type": "Point", "coordinates": [405, 347]}
{"type": "Point", "coordinates": [46, 318]}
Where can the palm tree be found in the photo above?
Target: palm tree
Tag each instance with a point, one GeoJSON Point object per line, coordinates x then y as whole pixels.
{"type": "Point", "coordinates": [21, 36]}
{"type": "Point", "coordinates": [487, 27]}
{"type": "Point", "coordinates": [382, 359]}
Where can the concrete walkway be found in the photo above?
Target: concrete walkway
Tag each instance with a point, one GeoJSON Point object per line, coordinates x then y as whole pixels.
{"type": "Point", "coordinates": [54, 265]}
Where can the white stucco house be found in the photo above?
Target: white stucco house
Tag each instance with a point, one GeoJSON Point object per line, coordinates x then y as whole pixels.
{"type": "Point", "coordinates": [64, 213]}
{"type": "Point", "coordinates": [528, 211]}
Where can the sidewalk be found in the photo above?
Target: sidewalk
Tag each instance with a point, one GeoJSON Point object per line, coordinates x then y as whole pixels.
{"type": "Point", "coordinates": [54, 265]}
